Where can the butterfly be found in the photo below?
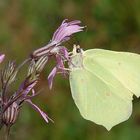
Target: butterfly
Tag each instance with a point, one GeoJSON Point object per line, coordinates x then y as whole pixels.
{"type": "Point", "coordinates": [103, 83]}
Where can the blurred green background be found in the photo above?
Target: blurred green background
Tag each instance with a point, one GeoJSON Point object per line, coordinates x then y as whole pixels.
{"type": "Point", "coordinates": [26, 25]}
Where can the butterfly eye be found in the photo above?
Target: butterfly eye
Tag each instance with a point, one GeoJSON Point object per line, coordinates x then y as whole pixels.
{"type": "Point", "coordinates": [78, 50]}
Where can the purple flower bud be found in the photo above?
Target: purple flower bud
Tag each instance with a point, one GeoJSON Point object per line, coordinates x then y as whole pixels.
{"type": "Point", "coordinates": [10, 115]}
{"type": "Point", "coordinates": [2, 56]}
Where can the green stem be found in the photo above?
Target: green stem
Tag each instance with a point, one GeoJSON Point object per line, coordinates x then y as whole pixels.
{"type": "Point", "coordinates": [7, 133]}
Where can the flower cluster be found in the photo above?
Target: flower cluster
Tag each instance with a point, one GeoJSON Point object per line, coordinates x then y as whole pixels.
{"type": "Point", "coordinates": [61, 35]}
{"type": "Point", "coordinates": [10, 104]}
{"type": "Point", "coordinates": [54, 47]}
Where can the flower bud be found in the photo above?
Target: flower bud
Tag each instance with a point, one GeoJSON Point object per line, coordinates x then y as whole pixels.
{"type": "Point", "coordinates": [10, 115]}
{"type": "Point", "coordinates": [8, 74]}
{"type": "Point", "coordinates": [37, 66]}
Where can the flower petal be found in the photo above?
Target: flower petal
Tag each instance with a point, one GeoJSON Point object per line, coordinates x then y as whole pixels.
{"type": "Point", "coordinates": [65, 30]}
{"type": "Point", "coordinates": [64, 52]}
{"type": "Point", "coordinates": [43, 114]}
{"type": "Point", "coordinates": [2, 56]}
{"type": "Point", "coordinates": [51, 77]}
{"type": "Point", "coordinates": [26, 87]}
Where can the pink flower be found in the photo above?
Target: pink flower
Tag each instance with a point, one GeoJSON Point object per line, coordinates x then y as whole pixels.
{"type": "Point", "coordinates": [54, 47]}
{"type": "Point", "coordinates": [62, 34]}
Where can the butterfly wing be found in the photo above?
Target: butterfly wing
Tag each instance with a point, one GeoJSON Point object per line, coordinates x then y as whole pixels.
{"type": "Point", "coordinates": [97, 100]}
{"type": "Point", "coordinates": [124, 66]}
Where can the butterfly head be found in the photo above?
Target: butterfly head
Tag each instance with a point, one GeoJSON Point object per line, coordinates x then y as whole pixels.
{"type": "Point", "coordinates": [76, 60]}
{"type": "Point", "coordinates": [77, 50]}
